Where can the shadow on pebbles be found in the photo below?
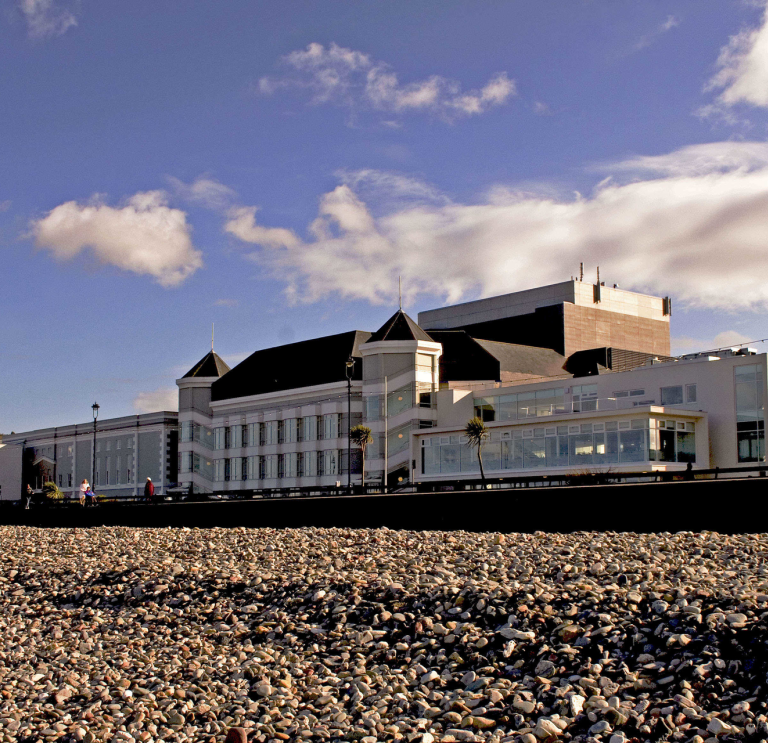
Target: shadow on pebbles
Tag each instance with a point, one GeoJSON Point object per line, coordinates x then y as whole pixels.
{"type": "Point", "coordinates": [117, 634]}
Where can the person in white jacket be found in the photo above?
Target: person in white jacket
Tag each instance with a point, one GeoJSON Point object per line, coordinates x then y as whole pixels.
{"type": "Point", "coordinates": [83, 490]}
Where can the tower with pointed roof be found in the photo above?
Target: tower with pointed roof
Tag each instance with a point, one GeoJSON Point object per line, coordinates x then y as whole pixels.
{"type": "Point", "coordinates": [196, 434]}
{"type": "Point", "coordinates": [400, 381]}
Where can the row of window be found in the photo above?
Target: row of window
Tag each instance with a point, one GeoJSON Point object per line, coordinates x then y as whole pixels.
{"type": "Point", "coordinates": [290, 430]}
{"type": "Point", "coordinates": [564, 446]}
{"type": "Point", "coordinates": [540, 403]}
{"type": "Point", "coordinates": [108, 445]}
{"type": "Point", "coordinates": [267, 467]}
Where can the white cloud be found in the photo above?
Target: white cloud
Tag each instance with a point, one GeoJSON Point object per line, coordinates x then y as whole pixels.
{"type": "Point", "coordinates": [206, 191]}
{"type": "Point", "coordinates": [5, 205]}
{"type": "Point", "coordinates": [144, 236]}
{"type": "Point", "coordinates": [226, 303]}
{"type": "Point", "coordinates": [156, 400]}
{"type": "Point", "coordinates": [352, 78]}
{"type": "Point", "coordinates": [725, 339]}
{"type": "Point", "coordinates": [694, 231]}
{"type": "Point", "coordinates": [45, 18]}
{"type": "Point", "coordinates": [242, 224]}
{"type": "Point", "coordinates": [648, 39]}
{"type": "Point", "coordinates": [697, 159]}
{"type": "Point", "coordinates": [742, 76]}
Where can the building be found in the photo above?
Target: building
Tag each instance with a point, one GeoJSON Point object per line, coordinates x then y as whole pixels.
{"type": "Point", "coordinates": [569, 378]}
{"type": "Point", "coordinates": [128, 450]}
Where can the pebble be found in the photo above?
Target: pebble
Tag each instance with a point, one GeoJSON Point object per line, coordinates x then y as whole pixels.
{"type": "Point", "coordinates": [122, 634]}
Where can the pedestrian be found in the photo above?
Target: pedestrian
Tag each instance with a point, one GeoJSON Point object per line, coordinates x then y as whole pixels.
{"type": "Point", "coordinates": [90, 496]}
{"type": "Point", "coordinates": [28, 496]}
{"type": "Point", "coordinates": [84, 488]}
{"type": "Point", "coordinates": [149, 489]}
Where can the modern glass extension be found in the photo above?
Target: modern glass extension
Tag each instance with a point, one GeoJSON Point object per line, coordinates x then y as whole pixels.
{"type": "Point", "coordinates": [576, 446]}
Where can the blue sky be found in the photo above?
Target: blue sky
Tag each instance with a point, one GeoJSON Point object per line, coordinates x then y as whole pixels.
{"type": "Point", "coordinates": [272, 168]}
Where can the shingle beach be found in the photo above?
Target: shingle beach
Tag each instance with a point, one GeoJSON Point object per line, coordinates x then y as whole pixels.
{"type": "Point", "coordinates": [118, 634]}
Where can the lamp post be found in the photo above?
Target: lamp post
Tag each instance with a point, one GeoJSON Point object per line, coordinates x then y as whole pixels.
{"type": "Point", "coordinates": [95, 408]}
{"type": "Point", "coordinates": [350, 368]}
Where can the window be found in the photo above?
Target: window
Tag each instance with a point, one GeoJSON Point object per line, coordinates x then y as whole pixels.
{"type": "Point", "coordinates": [584, 397]}
{"type": "Point", "coordinates": [270, 466]}
{"type": "Point", "coordinates": [252, 468]}
{"type": "Point", "coordinates": [310, 464]}
{"type": "Point", "coordinates": [281, 465]}
{"type": "Point", "coordinates": [61, 480]}
{"type": "Point", "coordinates": [320, 428]}
{"type": "Point", "coordinates": [69, 480]}
{"type": "Point", "coordinates": [106, 469]}
{"type": "Point", "coordinates": [118, 443]}
{"type": "Point", "coordinates": [253, 434]}
{"type": "Point", "coordinates": [299, 429]}
{"type": "Point", "coordinates": [227, 469]}
{"type": "Point", "coordinates": [690, 393]}
{"type": "Point", "coordinates": [290, 465]}
{"type": "Point", "coordinates": [219, 438]}
{"type": "Point", "coordinates": [750, 413]}
{"type": "Point", "coordinates": [109, 445]}
{"type": "Point", "coordinates": [310, 428]}
{"type": "Point", "coordinates": [629, 393]}
{"type": "Point", "coordinates": [244, 431]}
{"type": "Point", "coordinates": [672, 395]}
{"type": "Point", "coordinates": [98, 446]}
{"type": "Point", "coordinates": [235, 437]}
{"type": "Point", "coordinates": [117, 470]}
{"type": "Point", "coordinates": [270, 433]}
{"type": "Point", "coordinates": [289, 431]}
{"type": "Point", "coordinates": [218, 470]}
{"type": "Point", "coordinates": [227, 437]}
{"type": "Point", "coordinates": [281, 432]}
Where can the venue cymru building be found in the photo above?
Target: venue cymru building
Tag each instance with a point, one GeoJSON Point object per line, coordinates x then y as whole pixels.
{"type": "Point", "coordinates": [570, 378]}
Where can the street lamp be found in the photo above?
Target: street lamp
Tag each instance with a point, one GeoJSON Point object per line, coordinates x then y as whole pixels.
{"type": "Point", "coordinates": [95, 408]}
{"type": "Point", "coordinates": [350, 368]}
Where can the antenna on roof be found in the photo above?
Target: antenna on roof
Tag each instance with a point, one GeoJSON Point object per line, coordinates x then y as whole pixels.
{"type": "Point", "coordinates": [400, 292]}
{"type": "Point", "coordinates": [211, 337]}
{"type": "Point", "coordinates": [581, 272]}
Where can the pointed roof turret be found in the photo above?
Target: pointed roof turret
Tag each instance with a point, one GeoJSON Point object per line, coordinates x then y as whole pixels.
{"type": "Point", "coordinates": [400, 327]}
{"type": "Point", "coordinates": [211, 365]}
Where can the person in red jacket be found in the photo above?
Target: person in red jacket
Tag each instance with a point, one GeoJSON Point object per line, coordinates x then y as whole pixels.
{"type": "Point", "coordinates": [149, 490]}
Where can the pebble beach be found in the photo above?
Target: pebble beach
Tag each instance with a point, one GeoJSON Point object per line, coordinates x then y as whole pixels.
{"type": "Point", "coordinates": [122, 634]}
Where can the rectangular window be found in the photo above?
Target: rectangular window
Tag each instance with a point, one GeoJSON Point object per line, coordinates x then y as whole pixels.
{"type": "Point", "coordinates": [281, 432]}
{"type": "Point", "coordinates": [106, 469]}
{"type": "Point", "coordinates": [289, 431]}
{"type": "Point", "coordinates": [109, 445]}
{"type": "Point", "coordinates": [117, 470]}
{"type": "Point", "coordinates": [252, 468]}
{"type": "Point", "coordinates": [253, 434]}
{"type": "Point", "coordinates": [281, 465]}
{"type": "Point", "coordinates": [235, 437]}
{"type": "Point", "coordinates": [330, 426]}
{"type": "Point", "coordinates": [690, 393]}
{"type": "Point", "coordinates": [218, 438]}
{"type": "Point", "coordinates": [270, 467]}
{"type": "Point", "coordinates": [270, 433]}
{"type": "Point", "coordinates": [310, 464]}
{"type": "Point", "coordinates": [750, 413]}
{"type": "Point", "coordinates": [584, 397]}
{"type": "Point", "coordinates": [672, 395]}
{"type": "Point", "coordinates": [227, 437]}
{"type": "Point", "coordinates": [485, 408]}
{"type": "Point", "coordinates": [118, 444]}
{"type": "Point", "coordinates": [227, 469]}
{"type": "Point", "coordinates": [291, 465]}
{"type": "Point", "coordinates": [262, 434]}
{"type": "Point", "coordinates": [244, 431]}
{"type": "Point", "coordinates": [310, 428]}
{"type": "Point", "coordinates": [218, 470]}
{"type": "Point", "coordinates": [319, 427]}
{"type": "Point", "coordinates": [299, 429]}
{"type": "Point", "coordinates": [69, 480]}
{"type": "Point", "coordinates": [330, 462]}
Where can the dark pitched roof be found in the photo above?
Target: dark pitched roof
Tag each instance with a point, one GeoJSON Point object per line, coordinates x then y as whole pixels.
{"type": "Point", "coordinates": [211, 365]}
{"type": "Point", "coordinates": [466, 358]}
{"type": "Point", "coordinates": [302, 364]}
{"type": "Point", "coordinates": [400, 327]}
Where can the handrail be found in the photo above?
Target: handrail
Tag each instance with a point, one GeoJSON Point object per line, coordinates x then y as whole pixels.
{"type": "Point", "coordinates": [572, 479]}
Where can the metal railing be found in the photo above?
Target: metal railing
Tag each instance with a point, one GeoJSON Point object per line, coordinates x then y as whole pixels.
{"type": "Point", "coordinates": [573, 479]}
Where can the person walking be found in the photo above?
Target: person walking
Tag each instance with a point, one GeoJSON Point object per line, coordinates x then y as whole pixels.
{"type": "Point", "coordinates": [149, 490]}
{"type": "Point", "coordinates": [84, 487]}
{"type": "Point", "coordinates": [28, 496]}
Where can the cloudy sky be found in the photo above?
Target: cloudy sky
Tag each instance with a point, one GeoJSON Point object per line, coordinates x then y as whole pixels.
{"type": "Point", "coordinates": [274, 167]}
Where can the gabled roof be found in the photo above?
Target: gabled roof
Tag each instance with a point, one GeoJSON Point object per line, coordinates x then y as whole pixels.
{"type": "Point", "coordinates": [400, 327]}
{"type": "Point", "coordinates": [211, 365]}
{"type": "Point", "coordinates": [295, 365]}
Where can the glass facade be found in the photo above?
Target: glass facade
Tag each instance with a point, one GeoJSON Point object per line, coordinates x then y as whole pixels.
{"type": "Point", "coordinates": [575, 446]}
{"type": "Point", "coordinates": [750, 413]}
{"type": "Point", "coordinates": [521, 405]}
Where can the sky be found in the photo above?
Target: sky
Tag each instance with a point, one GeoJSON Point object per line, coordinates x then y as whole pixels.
{"type": "Point", "coordinates": [272, 168]}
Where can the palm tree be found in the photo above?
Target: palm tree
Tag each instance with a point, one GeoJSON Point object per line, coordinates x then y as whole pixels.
{"type": "Point", "coordinates": [477, 435]}
{"type": "Point", "coordinates": [360, 435]}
